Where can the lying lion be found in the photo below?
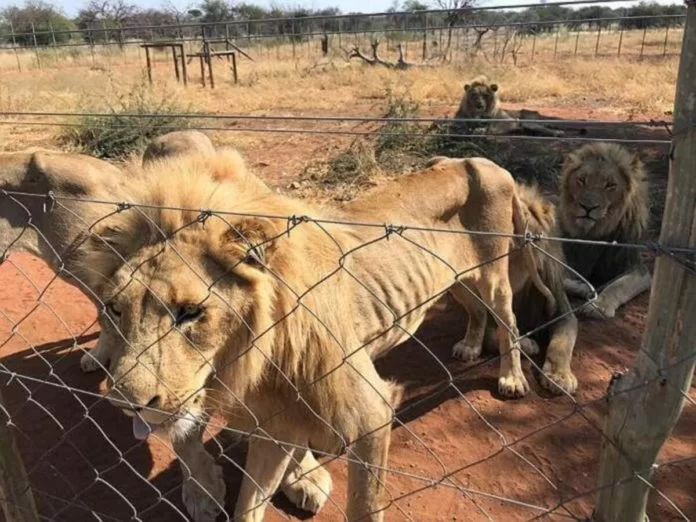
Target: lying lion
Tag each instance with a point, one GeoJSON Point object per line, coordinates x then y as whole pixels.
{"type": "Point", "coordinates": [604, 197]}
{"type": "Point", "coordinates": [481, 101]}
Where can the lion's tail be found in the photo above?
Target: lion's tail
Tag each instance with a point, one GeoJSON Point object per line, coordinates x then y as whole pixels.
{"type": "Point", "coordinates": [520, 227]}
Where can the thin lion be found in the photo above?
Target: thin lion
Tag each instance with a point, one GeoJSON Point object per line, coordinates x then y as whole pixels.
{"type": "Point", "coordinates": [296, 306]}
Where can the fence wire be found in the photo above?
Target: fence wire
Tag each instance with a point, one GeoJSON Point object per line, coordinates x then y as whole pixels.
{"type": "Point", "coordinates": [83, 464]}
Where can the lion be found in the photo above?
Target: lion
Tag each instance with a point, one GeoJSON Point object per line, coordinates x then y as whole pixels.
{"type": "Point", "coordinates": [177, 143]}
{"type": "Point", "coordinates": [283, 347]}
{"type": "Point", "coordinates": [481, 101]}
{"type": "Point", "coordinates": [532, 308]}
{"type": "Point", "coordinates": [604, 197]}
{"type": "Point", "coordinates": [54, 197]}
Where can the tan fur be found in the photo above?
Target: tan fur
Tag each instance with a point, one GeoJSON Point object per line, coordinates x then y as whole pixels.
{"type": "Point", "coordinates": [292, 306]}
{"type": "Point", "coordinates": [178, 143]}
{"type": "Point", "coordinates": [481, 101]}
{"type": "Point", "coordinates": [532, 305]}
{"type": "Point", "coordinates": [604, 196]}
{"type": "Point", "coordinates": [540, 218]}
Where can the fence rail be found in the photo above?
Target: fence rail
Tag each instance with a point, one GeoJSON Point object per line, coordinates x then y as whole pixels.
{"type": "Point", "coordinates": [439, 38]}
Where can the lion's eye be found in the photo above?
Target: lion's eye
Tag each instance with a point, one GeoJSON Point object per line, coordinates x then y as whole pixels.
{"type": "Point", "coordinates": [581, 182]}
{"type": "Point", "coordinates": [611, 186]}
{"type": "Point", "coordinates": [187, 313]}
{"type": "Point", "coordinates": [112, 310]}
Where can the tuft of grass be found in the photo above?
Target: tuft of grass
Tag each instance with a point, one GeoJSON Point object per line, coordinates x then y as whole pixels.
{"type": "Point", "coordinates": [135, 117]}
{"type": "Point", "coordinates": [343, 175]}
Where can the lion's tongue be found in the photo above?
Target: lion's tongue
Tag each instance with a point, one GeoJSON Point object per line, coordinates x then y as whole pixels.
{"type": "Point", "coordinates": [141, 429]}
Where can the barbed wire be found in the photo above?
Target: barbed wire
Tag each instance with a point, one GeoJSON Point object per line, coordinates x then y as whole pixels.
{"type": "Point", "coordinates": [334, 119]}
{"type": "Point", "coordinates": [347, 132]}
{"type": "Point", "coordinates": [310, 19]}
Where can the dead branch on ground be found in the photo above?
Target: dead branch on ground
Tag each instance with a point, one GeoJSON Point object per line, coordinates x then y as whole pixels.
{"type": "Point", "coordinates": [375, 59]}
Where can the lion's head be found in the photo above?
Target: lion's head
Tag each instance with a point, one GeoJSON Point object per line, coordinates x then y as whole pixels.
{"type": "Point", "coordinates": [604, 192]}
{"type": "Point", "coordinates": [188, 296]}
{"type": "Point", "coordinates": [480, 98]}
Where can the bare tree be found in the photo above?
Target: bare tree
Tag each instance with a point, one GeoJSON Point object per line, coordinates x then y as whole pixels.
{"type": "Point", "coordinates": [456, 13]}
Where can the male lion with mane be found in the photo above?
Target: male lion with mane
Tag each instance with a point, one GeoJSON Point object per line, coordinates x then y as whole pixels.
{"type": "Point", "coordinates": [604, 197]}
{"type": "Point", "coordinates": [244, 315]}
{"type": "Point", "coordinates": [481, 101]}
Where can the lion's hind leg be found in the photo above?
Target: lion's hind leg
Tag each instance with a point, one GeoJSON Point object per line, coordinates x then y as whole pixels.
{"type": "Point", "coordinates": [469, 348]}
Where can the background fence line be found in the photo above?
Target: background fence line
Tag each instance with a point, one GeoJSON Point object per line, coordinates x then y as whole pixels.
{"type": "Point", "coordinates": [440, 35]}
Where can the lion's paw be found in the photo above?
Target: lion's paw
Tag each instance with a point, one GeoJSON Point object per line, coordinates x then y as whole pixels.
{"type": "Point", "coordinates": [529, 346]}
{"type": "Point", "coordinates": [558, 381]}
{"type": "Point", "coordinates": [598, 310]}
{"type": "Point", "coordinates": [514, 385]}
{"type": "Point", "coordinates": [204, 496]}
{"type": "Point", "coordinates": [466, 352]}
{"type": "Point", "coordinates": [309, 492]}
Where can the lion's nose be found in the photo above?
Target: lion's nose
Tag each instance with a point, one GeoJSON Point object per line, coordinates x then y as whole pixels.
{"type": "Point", "coordinates": [153, 403]}
{"type": "Point", "coordinates": [588, 208]}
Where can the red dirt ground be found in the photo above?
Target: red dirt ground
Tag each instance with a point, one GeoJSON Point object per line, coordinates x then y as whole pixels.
{"type": "Point", "coordinates": [510, 460]}
{"type": "Point", "coordinates": [81, 450]}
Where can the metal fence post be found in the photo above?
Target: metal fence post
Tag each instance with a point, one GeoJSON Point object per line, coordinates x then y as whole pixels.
{"type": "Point", "coordinates": [646, 402]}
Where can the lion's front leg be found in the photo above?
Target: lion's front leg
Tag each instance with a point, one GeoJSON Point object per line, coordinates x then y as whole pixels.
{"type": "Point", "coordinates": [307, 484]}
{"type": "Point", "coordinates": [265, 467]}
{"type": "Point", "coordinates": [619, 292]}
{"type": "Point", "coordinates": [576, 288]}
{"type": "Point", "coordinates": [557, 375]}
{"type": "Point", "coordinates": [203, 489]}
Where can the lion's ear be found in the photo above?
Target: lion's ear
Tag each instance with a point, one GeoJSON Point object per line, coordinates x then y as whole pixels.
{"type": "Point", "coordinates": [467, 87]}
{"type": "Point", "coordinates": [253, 239]}
{"type": "Point", "coordinates": [109, 244]}
{"type": "Point", "coordinates": [637, 164]}
{"type": "Point", "coordinates": [494, 87]}
{"type": "Point", "coordinates": [570, 162]}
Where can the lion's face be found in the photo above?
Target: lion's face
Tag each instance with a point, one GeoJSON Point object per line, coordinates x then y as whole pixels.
{"type": "Point", "coordinates": [594, 190]}
{"type": "Point", "coordinates": [177, 317]}
{"type": "Point", "coordinates": [481, 99]}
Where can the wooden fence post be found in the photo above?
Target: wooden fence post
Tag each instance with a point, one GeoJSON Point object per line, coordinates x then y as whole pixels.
{"type": "Point", "coordinates": [17, 499]}
{"type": "Point", "coordinates": [14, 46]}
{"type": "Point", "coordinates": [36, 45]}
{"type": "Point", "coordinates": [645, 403]}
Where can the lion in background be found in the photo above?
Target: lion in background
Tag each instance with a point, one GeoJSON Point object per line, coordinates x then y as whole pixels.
{"type": "Point", "coordinates": [481, 101]}
{"type": "Point", "coordinates": [604, 197]}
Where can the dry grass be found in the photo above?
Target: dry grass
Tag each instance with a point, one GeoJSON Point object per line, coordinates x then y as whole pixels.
{"type": "Point", "coordinates": [75, 80]}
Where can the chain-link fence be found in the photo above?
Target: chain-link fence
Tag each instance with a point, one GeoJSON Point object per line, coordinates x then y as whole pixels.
{"type": "Point", "coordinates": [185, 343]}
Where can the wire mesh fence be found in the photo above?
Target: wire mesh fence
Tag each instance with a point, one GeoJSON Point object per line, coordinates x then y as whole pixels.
{"type": "Point", "coordinates": [195, 346]}
{"type": "Point", "coordinates": [182, 311]}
